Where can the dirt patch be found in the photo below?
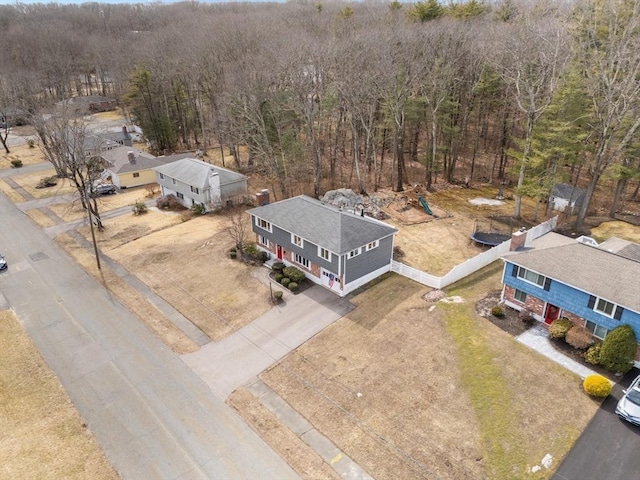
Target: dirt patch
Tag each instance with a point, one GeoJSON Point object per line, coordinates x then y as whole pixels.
{"type": "Point", "coordinates": [511, 322]}
{"type": "Point", "coordinates": [43, 436]}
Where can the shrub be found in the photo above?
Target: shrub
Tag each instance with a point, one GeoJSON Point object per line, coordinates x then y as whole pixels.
{"type": "Point", "coordinates": [233, 249]}
{"type": "Point", "coordinates": [233, 253]}
{"type": "Point", "coordinates": [169, 202]}
{"type": "Point", "coordinates": [263, 256]}
{"type": "Point", "coordinates": [526, 317]}
{"type": "Point", "coordinates": [592, 355]}
{"type": "Point", "coordinates": [16, 163]}
{"type": "Point", "coordinates": [32, 143]}
{"type": "Point", "coordinates": [285, 281]}
{"type": "Point", "coordinates": [278, 266]}
{"type": "Point", "coordinates": [559, 328]}
{"type": "Point", "coordinates": [619, 349]}
{"type": "Point", "coordinates": [277, 296]}
{"type": "Point", "coordinates": [139, 208]}
{"type": "Point", "coordinates": [279, 277]}
{"type": "Point", "coordinates": [198, 209]}
{"type": "Point", "coordinates": [597, 386]}
{"type": "Point", "coordinates": [186, 215]}
{"type": "Point", "coordinates": [47, 182]}
{"type": "Point", "coordinates": [251, 249]}
{"type": "Point", "coordinates": [497, 311]}
{"type": "Point", "coordinates": [397, 252]}
{"type": "Point", "coordinates": [293, 286]}
{"type": "Point", "coordinates": [579, 337]}
{"type": "Point", "coordinates": [295, 274]}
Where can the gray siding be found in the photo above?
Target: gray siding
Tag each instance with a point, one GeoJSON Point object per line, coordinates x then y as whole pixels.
{"type": "Point", "coordinates": [370, 261]}
{"type": "Point", "coordinates": [233, 189]}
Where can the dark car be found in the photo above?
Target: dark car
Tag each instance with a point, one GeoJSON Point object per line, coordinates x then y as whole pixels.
{"type": "Point", "coordinates": [3, 263]}
{"type": "Point", "coordinates": [103, 189]}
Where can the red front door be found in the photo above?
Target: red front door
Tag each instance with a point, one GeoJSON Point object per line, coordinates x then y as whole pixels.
{"type": "Point", "coordinates": [279, 250]}
{"type": "Point", "coordinates": [551, 313]}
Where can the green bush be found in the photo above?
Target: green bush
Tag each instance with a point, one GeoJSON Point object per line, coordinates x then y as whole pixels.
{"type": "Point", "coordinates": [592, 355]}
{"type": "Point", "coordinates": [285, 281]}
{"type": "Point", "coordinates": [295, 274]}
{"type": "Point", "coordinates": [47, 182]}
{"type": "Point", "coordinates": [293, 286]}
{"type": "Point", "coordinates": [263, 256]}
{"type": "Point", "coordinates": [279, 277]}
{"type": "Point", "coordinates": [198, 209]}
{"type": "Point", "coordinates": [497, 311]}
{"type": "Point", "coordinates": [619, 349]}
{"type": "Point", "coordinates": [32, 143]}
{"type": "Point", "coordinates": [233, 253]}
{"type": "Point", "coordinates": [251, 249]}
{"type": "Point", "coordinates": [579, 337]}
{"type": "Point", "coordinates": [559, 328]}
{"type": "Point", "coordinates": [277, 296]}
{"type": "Point", "coordinates": [16, 163]}
{"type": "Point", "coordinates": [597, 386]}
{"type": "Point", "coordinates": [278, 266]}
{"type": "Point", "coordinates": [139, 208]}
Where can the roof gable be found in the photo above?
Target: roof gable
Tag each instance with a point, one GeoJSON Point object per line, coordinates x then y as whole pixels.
{"type": "Point", "coordinates": [590, 269]}
{"type": "Point", "coordinates": [324, 225]}
{"type": "Point", "coordinates": [194, 172]}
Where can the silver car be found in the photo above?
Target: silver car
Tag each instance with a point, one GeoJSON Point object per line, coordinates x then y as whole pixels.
{"type": "Point", "coordinates": [3, 263]}
{"type": "Point", "coordinates": [629, 405]}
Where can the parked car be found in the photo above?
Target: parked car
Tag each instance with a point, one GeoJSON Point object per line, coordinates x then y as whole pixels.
{"type": "Point", "coordinates": [3, 263]}
{"type": "Point", "coordinates": [629, 405]}
{"type": "Point", "coordinates": [104, 189]}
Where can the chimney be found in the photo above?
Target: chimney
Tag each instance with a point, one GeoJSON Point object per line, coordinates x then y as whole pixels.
{"type": "Point", "coordinates": [262, 197]}
{"type": "Point", "coordinates": [518, 239]}
{"type": "Point", "coordinates": [124, 129]}
{"type": "Point", "coordinates": [132, 157]}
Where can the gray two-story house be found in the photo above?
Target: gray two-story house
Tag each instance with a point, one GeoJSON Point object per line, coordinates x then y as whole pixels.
{"type": "Point", "coordinates": [335, 248]}
{"type": "Point", "coordinates": [195, 182]}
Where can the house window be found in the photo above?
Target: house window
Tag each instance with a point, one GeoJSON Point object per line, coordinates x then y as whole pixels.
{"type": "Point", "coordinates": [180, 196]}
{"type": "Point", "coordinates": [162, 176]}
{"type": "Point", "coordinates": [531, 277]}
{"type": "Point", "coordinates": [520, 296]}
{"type": "Point", "coordinates": [136, 174]}
{"type": "Point", "coordinates": [597, 330]}
{"type": "Point", "coordinates": [263, 224]}
{"type": "Point", "coordinates": [173, 180]}
{"type": "Point", "coordinates": [262, 240]}
{"type": "Point", "coordinates": [355, 253]}
{"type": "Point", "coordinates": [604, 307]}
{"type": "Point", "coordinates": [195, 190]}
{"type": "Point", "coordinates": [296, 240]}
{"type": "Point", "coordinates": [300, 260]}
{"type": "Point", "coordinates": [324, 253]}
{"type": "Point", "coordinates": [372, 245]}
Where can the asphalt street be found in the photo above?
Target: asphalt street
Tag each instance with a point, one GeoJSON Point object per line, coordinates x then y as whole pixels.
{"type": "Point", "coordinates": [151, 414]}
{"type": "Point", "coordinates": [608, 449]}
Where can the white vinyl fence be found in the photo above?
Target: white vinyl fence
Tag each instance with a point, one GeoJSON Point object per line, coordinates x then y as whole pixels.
{"type": "Point", "coordinates": [473, 264]}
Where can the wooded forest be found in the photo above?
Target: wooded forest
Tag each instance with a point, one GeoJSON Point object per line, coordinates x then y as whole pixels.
{"type": "Point", "coordinates": [527, 93]}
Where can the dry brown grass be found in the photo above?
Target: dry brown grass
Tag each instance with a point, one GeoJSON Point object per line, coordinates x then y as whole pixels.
{"type": "Point", "coordinates": [188, 265]}
{"type": "Point", "coordinates": [29, 156]}
{"type": "Point", "coordinates": [29, 181]}
{"type": "Point", "coordinates": [11, 194]}
{"type": "Point", "coordinates": [155, 321]}
{"type": "Point", "coordinates": [289, 446]}
{"type": "Point", "coordinates": [395, 386]}
{"type": "Point", "coordinates": [40, 218]}
{"type": "Point", "coordinates": [618, 229]}
{"type": "Point", "coordinates": [42, 435]}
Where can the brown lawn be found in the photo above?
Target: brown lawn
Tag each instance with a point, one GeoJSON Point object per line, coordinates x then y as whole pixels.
{"type": "Point", "coordinates": [42, 434]}
{"type": "Point", "coordinates": [28, 156]}
{"type": "Point", "coordinates": [410, 391]}
{"type": "Point", "coordinates": [29, 181]}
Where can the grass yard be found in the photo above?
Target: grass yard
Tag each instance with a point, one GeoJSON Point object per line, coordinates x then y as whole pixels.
{"type": "Point", "coordinates": [616, 229]}
{"type": "Point", "coordinates": [28, 156]}
{"type": "Point", "coordinates": [42, 434]}
{"type": "Point", "coordinates": [412, 390]}
{"type": "Point", "coordinates": [28, 181]}
{"type": "Point", "coordinates": [188, 265]}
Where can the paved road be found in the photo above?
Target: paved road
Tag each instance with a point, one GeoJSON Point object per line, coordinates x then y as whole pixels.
{"type": "Point", "coordinates": [608, 449]}
{"type": "Point", "coordinates": [152, 415]}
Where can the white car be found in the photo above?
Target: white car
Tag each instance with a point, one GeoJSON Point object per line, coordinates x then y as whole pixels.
{"type": "Point", "coordinates": [3, 263]}
{"type": "Point", "coordinates": [629, 405]}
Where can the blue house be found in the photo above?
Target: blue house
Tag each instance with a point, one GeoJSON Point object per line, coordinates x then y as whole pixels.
{"type": "Point", "coordinates": [335, 248]}
{"type": "Point", "coordinates": [595, 286]}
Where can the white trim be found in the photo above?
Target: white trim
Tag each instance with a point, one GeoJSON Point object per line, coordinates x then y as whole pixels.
{"type": "Point", "coordinates": [602, 312]}
{"type": "Point", "coordinates": [267, 225]}
{"type": "Point", "coordinates": [355, 252]}
{"type": "Point", "coordinates": [300, 260]}
{"type": "Point", "coordinates": [544, 277]}
{"type": "Point", "coordinates": [594, 330]}
{"type": "Point", "coordinates": [295, 237]}
{"type": "Point", "coordinates": [372, 245]}
{"type": "Point", "coordinates": [322, 250]}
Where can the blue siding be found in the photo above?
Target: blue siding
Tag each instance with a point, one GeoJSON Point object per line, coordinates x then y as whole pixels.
{"type": "Point", "coordinates": [571, 300]}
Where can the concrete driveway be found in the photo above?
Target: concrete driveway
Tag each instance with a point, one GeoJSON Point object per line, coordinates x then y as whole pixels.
{"type": "Point", "coordinates": [237, 359]}
{"type": "Point", "coordinates": [608, 449]}
{"type": "Point", "coordinates": [154, 418]}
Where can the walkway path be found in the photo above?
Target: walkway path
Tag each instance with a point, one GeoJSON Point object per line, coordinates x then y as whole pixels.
{"type": "Point", "coordinates": [537, 338]}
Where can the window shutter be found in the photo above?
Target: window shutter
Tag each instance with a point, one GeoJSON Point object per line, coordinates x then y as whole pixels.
{"type": "Point", "coordinates": [514, 271]}
{"type": "Point", "coordinates": [547, 283]}
{"type": "Point", "coordinates": [618, 314]}
{"type": "Point", "coordinates": [592, 301]}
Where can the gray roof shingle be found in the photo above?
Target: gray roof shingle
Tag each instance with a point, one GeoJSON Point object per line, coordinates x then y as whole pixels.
{"type": "Point", "coordinates": [119, 159]}
{"type": "Point", "coordinates": [194, 172]}
{"type": "Point", "coordinates": [590, 269]}
{"type": "Point", "coordinates": [323, 225]}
